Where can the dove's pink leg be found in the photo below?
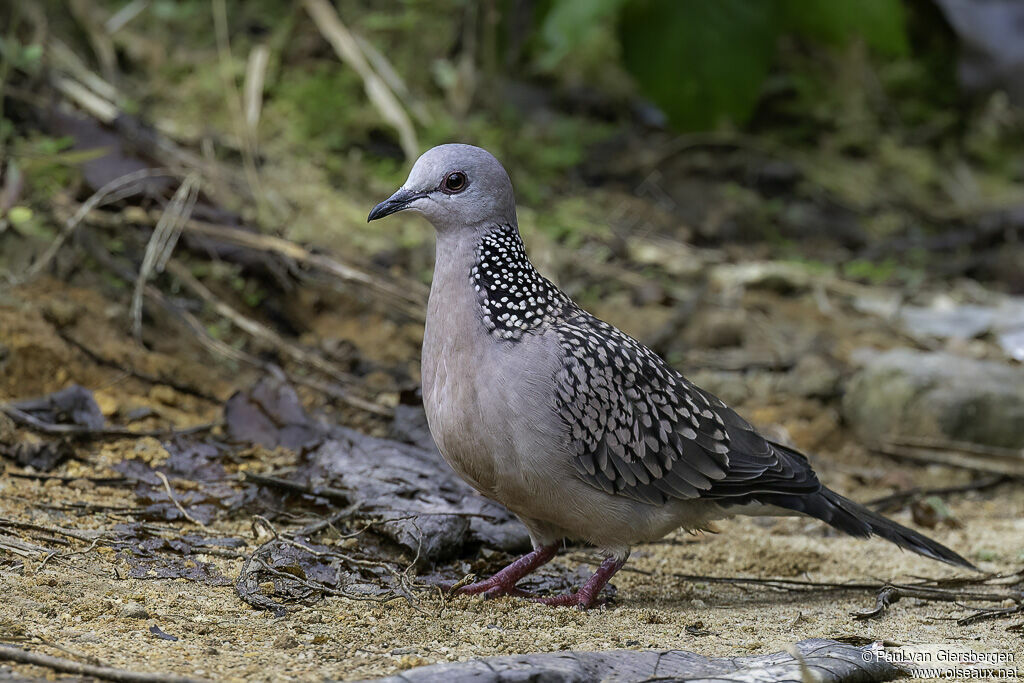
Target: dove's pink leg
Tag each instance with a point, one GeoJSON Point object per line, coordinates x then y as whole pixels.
{"type": "Point", "coordinates": [504, 582]}
{"type": "Point", "coordinates": [586, 596]}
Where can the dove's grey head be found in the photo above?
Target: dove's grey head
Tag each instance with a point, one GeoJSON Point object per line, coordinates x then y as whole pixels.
{"type": "Point", "coordinates": [456, 187]}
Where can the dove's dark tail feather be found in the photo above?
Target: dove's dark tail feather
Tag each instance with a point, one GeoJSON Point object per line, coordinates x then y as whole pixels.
{"type": "Point", "coordinates": [850, 517]}
{"type": "Point", "coordinates": [857, 520]}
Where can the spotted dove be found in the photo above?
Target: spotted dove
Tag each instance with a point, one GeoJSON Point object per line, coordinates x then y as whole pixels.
{"type": "Point", "coordinates": [580, 430]}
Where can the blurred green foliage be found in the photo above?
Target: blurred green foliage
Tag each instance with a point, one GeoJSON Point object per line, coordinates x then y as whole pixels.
{"type": "Point", "coordinates": [318, 102]}
{"type": "Point", "coordinates": [685, 56]}
{"type": "Point", "coordinates": [857, 99]}
{"type": "Point", "coordinates": [704, 63]}
{"type": "Point", "coordinates": [567, 26]}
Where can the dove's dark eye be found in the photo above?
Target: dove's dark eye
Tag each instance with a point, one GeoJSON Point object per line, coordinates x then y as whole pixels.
{"type": "Point", "coordinates": [455, 182]}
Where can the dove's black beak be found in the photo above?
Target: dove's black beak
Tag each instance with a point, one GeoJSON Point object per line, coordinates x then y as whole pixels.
{"type": "Point", "coordinates": [397, 202]}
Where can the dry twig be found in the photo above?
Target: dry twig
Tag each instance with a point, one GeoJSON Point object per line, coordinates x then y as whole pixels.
{"type": "Point", "coordinates": [403, 583]}
{"type": "Point", "coordinates": [977, 457]}
{"type": "Point", "coordinates": [900, 497]}
{"type": "Point", "coordinates": [81, 431]}
{"type": "Point", "coordinates": [285, 348]}
{"type": "Point", "coordinates": [995, 588]}
{"type": "Point", "coordinates": [64, 665]}
{"type": "Point", "coordinates": [77, 534]}
{"type": "Point", "coordinates": [162, 242]}
{"type": "Point", "coordinates": [409, 295]}
{"type": "Point", "coordinates": [111, 192]}
{"type": "Point", "coordinates": [170, 495]}
{"type": "Point", "coordinates": [346, 46]}
{"type": "Point", "coordinates": [326, 492]}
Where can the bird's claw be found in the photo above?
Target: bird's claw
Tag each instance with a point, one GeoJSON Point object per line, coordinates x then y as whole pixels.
{"type": "Point", "coordinates": [580, 602]}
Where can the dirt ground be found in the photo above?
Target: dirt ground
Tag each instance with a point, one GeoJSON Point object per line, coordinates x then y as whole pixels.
{"type": "Point", "coordinates": [79, 604]}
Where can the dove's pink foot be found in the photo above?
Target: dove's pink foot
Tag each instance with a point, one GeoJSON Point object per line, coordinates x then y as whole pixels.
{"type": "Point", "coordinates": [586, 597]}
{"type": "Point", "coordinates": [504, 582]}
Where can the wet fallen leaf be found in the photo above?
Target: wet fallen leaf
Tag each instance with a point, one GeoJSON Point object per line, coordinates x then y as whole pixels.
{"type": "Point", "coordinates": [156, 631]}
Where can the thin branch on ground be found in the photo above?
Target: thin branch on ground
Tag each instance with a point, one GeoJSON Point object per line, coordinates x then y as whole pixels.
{"type": "Point", "coordinates": [342, 496]}
{"type": "Point", "coordinates": [65, 479]}
{"type": "Point", "coordinates": [285, 348]}
{"type": "Point", "coordinates": [64, 665]}
{"type": "Point", "coordinates": [77, 534]}
{"type": "Point", "coordinates": [338, 516]}
{"type": "Point", "coordinates": [322, 588]}
{"type": "Point", "coordinates": [326, 492]}
{"type": "Point", "coordinates": [59, 555]}
{"type": "Point", "coordinates": [162, 242]}
{"type": "Point", "coordinates": [891, 593]}
{"type": "Point", "coordinates": [408, 295]}
{"type": "Point", "coordinates": [22, 548]}
{"type": "Point", "coordinates": [404, 582]}
{"type": "Point", "coordinates": [955, 590]}
{"type": "Point", "coordinates": [170, 495]}
{"type": "Point", "coordinates": [135, 372]}
{"type": "Point", "coordinates": [116, 189]}
{"type": "Point", "coordinates": [960, 446]}
{"type": "Point", "coordinates": [336, 391]}
{"type": "Point", "coordinates": [901, 497]}
{"type": "Point", "coordinates": [80, 431]}
{"type": "Point", "coordinates": [975, 457]}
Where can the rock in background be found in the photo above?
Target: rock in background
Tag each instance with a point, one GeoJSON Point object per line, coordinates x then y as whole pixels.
{"type": "Point", "coordinates": [906, 393]}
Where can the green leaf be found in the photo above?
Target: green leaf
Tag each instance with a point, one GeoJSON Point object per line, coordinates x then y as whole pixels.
{"type": "Point", "coordinates": [701, 61]}
{"type": "Point", "coordinates": [569, 24]}
{"type": "Point", "coordinates": [19, 215]}
{"type": "Point", "coordinates": [880, 23]}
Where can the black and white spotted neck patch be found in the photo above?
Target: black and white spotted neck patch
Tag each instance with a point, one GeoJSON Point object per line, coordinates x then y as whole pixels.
{"type": "Point", "coordinates": [515, 298]}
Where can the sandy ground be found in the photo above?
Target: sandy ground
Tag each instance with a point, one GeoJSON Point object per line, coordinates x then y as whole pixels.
{"type": "Point", "coordinates": [79, 606]}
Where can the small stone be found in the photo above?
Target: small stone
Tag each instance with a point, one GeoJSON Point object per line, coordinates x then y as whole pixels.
{"type": "Point", "coordinates": [81, 484]}
{"type": "Point", "coordinates": [411, 662]}
{"type": "Point", "coordinates": [133, 610]}
{"type": "Point", "coordinates": [108, 402]}
{"type": "Point", "coordinates": [162, 393]}
{"type": "Point", "coordinates": [285, 642]}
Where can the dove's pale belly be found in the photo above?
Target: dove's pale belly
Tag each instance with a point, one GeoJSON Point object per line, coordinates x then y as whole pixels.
{"type": "Point", "coordinates": [477, 392]}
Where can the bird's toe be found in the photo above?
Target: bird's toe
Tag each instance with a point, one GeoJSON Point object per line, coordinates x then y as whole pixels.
{"type": "Point", "coordinates": [578, 600]}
